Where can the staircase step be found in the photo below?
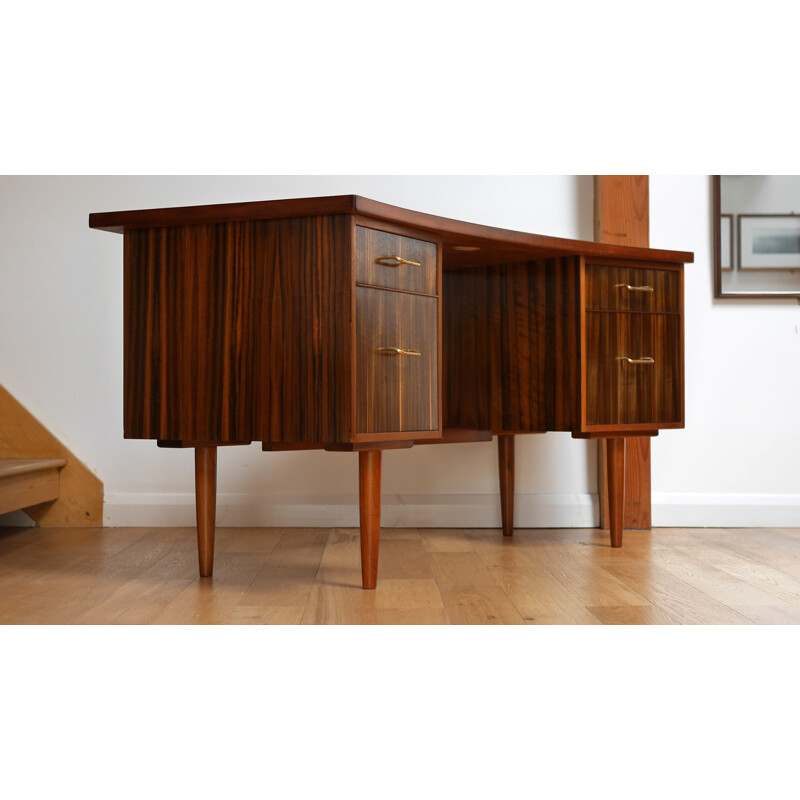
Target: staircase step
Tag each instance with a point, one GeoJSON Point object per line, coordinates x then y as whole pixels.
{"type": "Point", "coordinates": [26, 482]}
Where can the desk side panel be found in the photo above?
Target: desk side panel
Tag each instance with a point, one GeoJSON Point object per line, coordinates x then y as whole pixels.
{"type": "Point", "coordinates": [238, 331]}
{"type": "Point", "coordinates": [190, 310]}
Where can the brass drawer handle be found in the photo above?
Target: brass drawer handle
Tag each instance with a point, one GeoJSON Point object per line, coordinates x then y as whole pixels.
{"type": "Point", "coordinates": [634, 288]}
{"type": "Point", "coordinates": [645, 360]}
{"type": "Point", "coordinates": [398, 351]}
{"type": "Point", "coordinates": [400, 261]}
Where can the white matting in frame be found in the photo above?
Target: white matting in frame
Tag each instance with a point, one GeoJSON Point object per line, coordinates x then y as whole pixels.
{"type": "Point", "coordinates": [769, 241]}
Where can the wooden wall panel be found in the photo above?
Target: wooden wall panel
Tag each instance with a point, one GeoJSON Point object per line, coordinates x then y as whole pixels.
{"type": "Point", "coordinates": [622, 216]}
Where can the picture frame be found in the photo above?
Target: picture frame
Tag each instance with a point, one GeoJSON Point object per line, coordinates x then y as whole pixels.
{"type": "Point", "coordinates": [769, 241]}
{"type": "Point", "coordinates": [726, 241]}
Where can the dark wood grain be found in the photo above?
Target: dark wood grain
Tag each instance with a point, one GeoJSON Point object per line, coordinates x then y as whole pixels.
{"type": "Point", "coordinates": [465, 347]}
{"type": "Point", "coordinates": [512, 340]}
{"type": "Point", "coordinates": [495, 347]}
{"type": "Point", "coordinates": [374, 267]}
{"type": "Point", "coordinates": [620, 393]}
{"type": "Point", "coordinates": [516, 351]}
{"type": "Point", "coordinates": [268, 322]}
{"type": "Point", "coordinates": [494, 245]}
{"type": "Point", "coordinates": [396, 392]}
{"type": "Point", "coordinates": [238, 332]}
{"type": "Point", "coordinates": [565, 345]}
{"type": "Point", "coordinates": [606, 289]}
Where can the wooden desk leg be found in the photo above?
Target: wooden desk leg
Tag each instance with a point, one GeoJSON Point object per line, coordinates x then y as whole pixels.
{"type": "Point", "coordinates": [205, 488]}
{"type": "Point", "coordinates": [369, 500]}
{"type": "Point", "coordinates": [615, 457]}
{"type": "Point", "coordinates": [505, 457]}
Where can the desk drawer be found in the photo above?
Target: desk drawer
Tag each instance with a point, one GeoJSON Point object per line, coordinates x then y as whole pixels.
{"type": "Point", "coordinates": [632, 289]}
{"type": "Point", "coordinates": [395, 262]}
{"type": "Point", "coordinates": [397, 384]}
{"type": "Point", "coordinates": [633, 369]}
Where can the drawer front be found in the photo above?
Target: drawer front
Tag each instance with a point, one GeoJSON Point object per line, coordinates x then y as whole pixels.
{"type": "Point", "coordinates": [395, 262]}
{"type": "Point", "coordinates": [397, 386]}
{"type": "Point", "coordinates": [632, 289]}
{"type": "Point", "coordinates": [634, 372]}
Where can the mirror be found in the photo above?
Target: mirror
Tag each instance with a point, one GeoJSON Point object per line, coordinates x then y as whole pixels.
{"type": "Point", "coordinates": [756, 221]}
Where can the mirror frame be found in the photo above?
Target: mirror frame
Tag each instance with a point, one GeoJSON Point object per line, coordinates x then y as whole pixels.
{"type": "Point", "coordinates": [716, 212]}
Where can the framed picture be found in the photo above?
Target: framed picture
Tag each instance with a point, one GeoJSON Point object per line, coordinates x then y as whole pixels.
{"type": "Point", "coordinates": [726, 241]}
{"type": "Point", "coordinates": [769, 241]}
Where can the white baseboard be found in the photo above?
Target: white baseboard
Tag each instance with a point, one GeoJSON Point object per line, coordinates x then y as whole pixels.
{"type": "Point", "coordinates": [397, 510]}
{"type": "Point", "coordinates": [450, 510]}
{"type": "Point", "coordinates": [672, 510]}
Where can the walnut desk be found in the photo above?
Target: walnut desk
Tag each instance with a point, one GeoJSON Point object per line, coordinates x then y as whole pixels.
{"type": "Point", "coordinates": [342, 323]}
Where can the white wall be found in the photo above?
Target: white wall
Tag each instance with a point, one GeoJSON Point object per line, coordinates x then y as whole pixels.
{"type": "Point", "coordinates": [61, 345]}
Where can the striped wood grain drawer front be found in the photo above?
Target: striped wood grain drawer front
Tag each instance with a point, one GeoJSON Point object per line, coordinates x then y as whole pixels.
{"type": "Point", "coordinates": [381, 261]}
{"type": "Point", "coordinates": [396, 391]}
{"type": "Point", "coordinates": [633, 369]}
{"type": "Point", "coordinates": [632, 289]}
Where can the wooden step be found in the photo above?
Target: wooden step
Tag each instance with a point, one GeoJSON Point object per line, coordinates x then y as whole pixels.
{"type": "Point", "coordinates": [26, 482]}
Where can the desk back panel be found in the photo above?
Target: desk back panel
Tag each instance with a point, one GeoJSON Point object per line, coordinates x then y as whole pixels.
{"type": "Point", "coordinates": [511, 338]}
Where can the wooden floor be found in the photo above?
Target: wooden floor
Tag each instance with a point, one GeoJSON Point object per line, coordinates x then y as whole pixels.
{"type": "Point", "coordinates": [312, 576]}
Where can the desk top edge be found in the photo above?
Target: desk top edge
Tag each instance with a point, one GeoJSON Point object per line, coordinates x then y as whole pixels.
{"type": "Point", "coordinates": [539, 245]}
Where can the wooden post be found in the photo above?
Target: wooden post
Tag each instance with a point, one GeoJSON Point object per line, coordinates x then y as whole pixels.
{"type": "Point", "coordinates": [622, 216]}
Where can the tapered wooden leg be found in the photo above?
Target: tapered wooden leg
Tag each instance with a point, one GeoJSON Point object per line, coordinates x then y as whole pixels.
{"type": "Point", "coordinates": [615, 456]}
{"type": "Point", "coordinates": [505, 457]}
{"type": "Point", "coordinates": [205, 488]}
{"type": "Point", "coordinates": [369, 500]}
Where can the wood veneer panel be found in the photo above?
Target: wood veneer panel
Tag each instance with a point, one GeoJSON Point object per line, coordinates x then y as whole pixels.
{"type": "Point", "coordinates": [238, 331]}
{"type": "Point", "coordinates": [655, 290]}
{"type": "Point", "coordinates": [621, 393]}
{"type": "Point", "coordinates": [488, 245]}
{"type": "Point", "coordinates": [375, 267]}
{"type": "Point", "coordinates": [396, 392]}
{"type": "Point", "coordinates": [512, 334]}
{"type": "Point", "coordinates": [465, 346]}
{"type": "Point", "coordinates": [562, 376]}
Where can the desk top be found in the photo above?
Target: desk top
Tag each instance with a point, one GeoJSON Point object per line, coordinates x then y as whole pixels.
{"type": "Point", "coordinates": [465, 244]}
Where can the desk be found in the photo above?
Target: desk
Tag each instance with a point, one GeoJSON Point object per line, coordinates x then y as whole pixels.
{"type": "Point", "coordinates": [342, 323]}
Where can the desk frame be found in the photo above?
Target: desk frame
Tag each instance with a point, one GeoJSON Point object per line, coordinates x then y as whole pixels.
{"type": "Point", "coordinates": [197, 281]}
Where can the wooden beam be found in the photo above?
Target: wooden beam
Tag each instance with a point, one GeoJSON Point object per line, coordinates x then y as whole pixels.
{"type": "Point", "coordinates": [80, 500]}
{"type": "Point", "coordinates": [622, 216]}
